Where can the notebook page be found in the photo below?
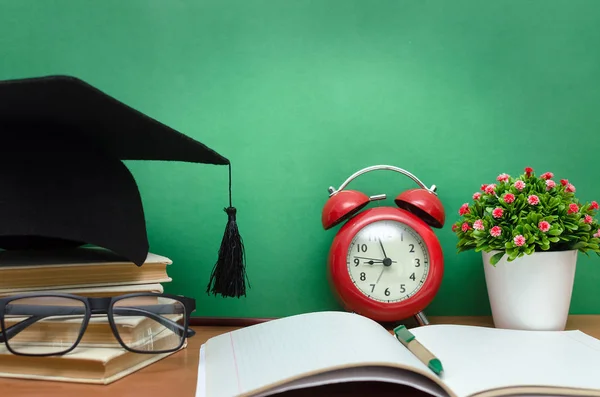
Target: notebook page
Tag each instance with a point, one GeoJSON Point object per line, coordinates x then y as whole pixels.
{"type": "Point", "coordinates": [281, 350]}
{"type": "Point", "coordinates": [201, 380]}
{"type": "Point", "coordinates": [357, 374]}
{"type": "Point", "coordinates": [476, 359]}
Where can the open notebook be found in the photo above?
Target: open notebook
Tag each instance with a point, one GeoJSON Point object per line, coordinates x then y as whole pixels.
{"type": "Point", "coordinates": [327, 347]}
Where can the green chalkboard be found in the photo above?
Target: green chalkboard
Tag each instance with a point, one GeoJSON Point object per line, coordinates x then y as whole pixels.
{"type": "Point", "coordinates": [301, 94]}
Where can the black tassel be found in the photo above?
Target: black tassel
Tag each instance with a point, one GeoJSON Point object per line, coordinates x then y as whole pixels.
{"type": "Point", "coordinates": [228, 276]}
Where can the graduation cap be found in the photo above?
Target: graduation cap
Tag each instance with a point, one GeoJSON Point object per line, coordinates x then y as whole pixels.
{"type": "Point", "coordinates": [63, 183]}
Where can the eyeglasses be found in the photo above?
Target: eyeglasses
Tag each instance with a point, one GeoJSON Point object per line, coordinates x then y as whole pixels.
{"type": "Point", "coordinates": [39, 324]}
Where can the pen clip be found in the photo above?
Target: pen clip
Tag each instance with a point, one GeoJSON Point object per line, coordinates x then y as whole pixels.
{"type": "Point", "coordinates": [403, 334]}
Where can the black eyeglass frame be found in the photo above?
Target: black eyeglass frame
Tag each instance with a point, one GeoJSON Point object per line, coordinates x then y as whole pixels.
{"type": "Point", "coordinates": [99, 306]}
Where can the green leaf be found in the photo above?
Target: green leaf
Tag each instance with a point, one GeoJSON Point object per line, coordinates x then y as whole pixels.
{"type": "Point", "coordinates": [529, 250]}
{"type": "Point", "coordinates": [571, 226]}
{"type": "Point", "coordinates": [554, 239]}
{"type": "Point", "coordinates": [496, 258]}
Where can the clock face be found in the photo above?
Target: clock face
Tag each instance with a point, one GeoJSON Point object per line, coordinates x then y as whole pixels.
{"type": "Point", "coordinates": [388, 261]}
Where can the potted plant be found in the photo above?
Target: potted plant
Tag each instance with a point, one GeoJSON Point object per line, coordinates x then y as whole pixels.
{"type": "Point", "coordinates": [529, 230]}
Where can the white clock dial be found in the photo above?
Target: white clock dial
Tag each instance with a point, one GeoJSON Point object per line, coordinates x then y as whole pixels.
{"type": "Point", "coordinates": [388, 261]}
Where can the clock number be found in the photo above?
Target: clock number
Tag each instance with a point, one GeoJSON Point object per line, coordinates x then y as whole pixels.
{"type": "Point", "coordinates": [402, 289]}
{"type": "Point", "coordinates": [412, 248]}
{"type": "Point", "coordinates": [361, 247]}
{"type": "Point", "coordinates": [412, 277]}
{"type": "Point", "coordinates": [387, 292]}
{"type": "Point", "coordinates": [357, 261]}
{"type": "Point", "coordinates": [363, 276]}
{"type": "Point", "coordinates": [372, 287]}
{"type": "Point", "coordinates": [418, 261]}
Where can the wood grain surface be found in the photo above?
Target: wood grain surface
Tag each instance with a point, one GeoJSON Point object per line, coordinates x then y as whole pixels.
{"type": "Point", "coordinates": [176, 375]}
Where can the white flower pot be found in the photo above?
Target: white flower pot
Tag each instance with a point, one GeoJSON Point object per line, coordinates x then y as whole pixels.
{"type": "Point", "coordinates": [532, 292]}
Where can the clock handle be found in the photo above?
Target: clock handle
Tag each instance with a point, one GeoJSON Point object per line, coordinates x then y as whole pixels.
{"type": "Point", "coordinates": [333, 191]}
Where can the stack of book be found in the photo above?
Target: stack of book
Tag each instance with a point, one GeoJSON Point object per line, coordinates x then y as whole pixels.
{"type": "Point", "coordinates": [90, 272]}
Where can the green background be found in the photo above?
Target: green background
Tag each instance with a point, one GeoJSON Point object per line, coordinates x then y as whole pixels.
{"type": "Point", "coordinates": [300, 94]}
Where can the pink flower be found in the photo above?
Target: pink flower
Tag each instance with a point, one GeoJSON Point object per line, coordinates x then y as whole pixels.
{"type": "Point", "coordinates": [528, 171]}
{"type": "Point", "coordinates": [544, 226]}
{"type": "Point", "coordinates": [478, 225]}
{"type": "Point", "coordinates": [594, 205]}
{"type": "Point", "coordinates": [520, 185]}
{"type": "Point", "coordinates": [533, 199]}
{"type": "Point", "coordinates": [496, 231]}
{"type": "Point", "coordinates": [588, 219]}
{"type": "Point", "coordinates": [503, 178]}
{"type": "Point", "coordinates": [490, 189]}
{"type": "Point", "coordinates": [570, 188]}
{"type": "Point", "coordinates": [454, 228]}
{"type": "Point", "coordinates": [483, 187]}
{"type": "Point", "coordinates": [476, 196]}
{"type": "Point", "coordinates": [564, 182]}
{"type": "Point", "coordinates": [509, 198]}
{"type": "Point", "coordinates": [550, 184]}
{"type": "Point", "coordinates": [547, 175]}
{"type": "Point", "coordinates": [573, 208]}
{"type": "Point", "coordinates": [597, 234]}
{"type": "Point", "coordinates": [465, 227]}
{"type": "Point", "coordinates": [519, 240]}
{"type": "Point", "coordinates": [464, 209]}
{"type": "Point", "coordinates": [497, 212]}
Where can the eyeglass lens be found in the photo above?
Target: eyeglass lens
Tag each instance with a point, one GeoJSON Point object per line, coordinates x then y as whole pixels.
{"type": "Point", "coordinates": [43, 325]}
{"type": "Point", "coordinates": [150, 323]}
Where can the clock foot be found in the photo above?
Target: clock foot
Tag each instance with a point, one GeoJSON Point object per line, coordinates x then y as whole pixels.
{"type": "Point", "coordinates": [421, 318]}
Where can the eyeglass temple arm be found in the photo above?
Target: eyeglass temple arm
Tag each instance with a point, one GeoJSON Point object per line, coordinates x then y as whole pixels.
{"type": "Point", "coordinates": [172, 325]}
{"type": "Point", "coordinates": [14, 330]}
{"type": "Point", "coordinates": [50, 311]}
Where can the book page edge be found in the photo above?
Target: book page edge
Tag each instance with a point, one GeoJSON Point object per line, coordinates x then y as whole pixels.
{"type": "Point", "coordinates": [533, 390]}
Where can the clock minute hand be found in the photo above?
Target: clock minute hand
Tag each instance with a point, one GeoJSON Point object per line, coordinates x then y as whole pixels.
{"type": "Point", "coordinates": [382, 249]}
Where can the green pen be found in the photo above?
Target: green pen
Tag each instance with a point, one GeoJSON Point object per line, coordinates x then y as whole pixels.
{"type": "Point", "coordinates": [412, 344]}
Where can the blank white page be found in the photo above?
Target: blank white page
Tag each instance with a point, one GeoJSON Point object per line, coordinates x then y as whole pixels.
{"type": "Point", "coordinates": [249, 359]}
{"type": "Point", "coordinates": [476, 359]}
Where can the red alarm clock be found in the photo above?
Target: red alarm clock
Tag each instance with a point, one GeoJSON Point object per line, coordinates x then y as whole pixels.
{"type": "Point", "coordinates": [385, 263]}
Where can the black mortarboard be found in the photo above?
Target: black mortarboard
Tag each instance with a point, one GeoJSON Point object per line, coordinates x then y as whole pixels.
{"type": "Point", "coordinates": [63, 183]}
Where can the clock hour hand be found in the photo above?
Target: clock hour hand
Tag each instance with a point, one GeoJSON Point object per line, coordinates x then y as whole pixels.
{"type": "Point", "coordinates": [370, 261]}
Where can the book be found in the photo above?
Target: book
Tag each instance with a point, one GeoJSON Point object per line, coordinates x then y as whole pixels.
{"type": "Point", "coordinates": [95, 292]}
{"type": "Point", "coordinates": [24, 271]}
{"type": "Point", "coordinates": [94, 365]}
{"type": "Point", "coordinates": [321, 348]}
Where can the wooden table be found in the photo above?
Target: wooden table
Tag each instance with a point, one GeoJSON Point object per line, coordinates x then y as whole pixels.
{"type": "Point", "coordinates": [176, 375]}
